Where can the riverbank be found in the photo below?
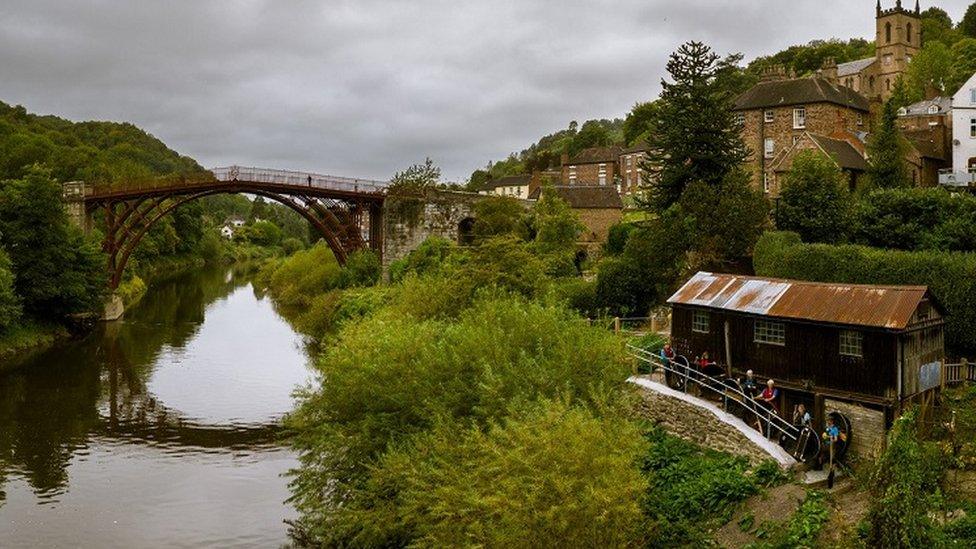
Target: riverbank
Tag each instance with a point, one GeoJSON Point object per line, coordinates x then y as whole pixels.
{"type": "Point", "coordinates": [27, 338]}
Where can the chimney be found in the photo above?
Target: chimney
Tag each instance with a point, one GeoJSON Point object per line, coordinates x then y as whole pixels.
{"type": "Point", "coordinates": [773, 73]}
{"type": "Point", "coordinates": [828, 70]}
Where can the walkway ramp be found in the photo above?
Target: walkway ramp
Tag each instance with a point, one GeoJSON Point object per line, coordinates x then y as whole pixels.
{"type": "Point", "coordinates": [704, 423]}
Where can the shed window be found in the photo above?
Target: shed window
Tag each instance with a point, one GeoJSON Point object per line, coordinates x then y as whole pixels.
{"type": "Point", "coordinates": [768, 116]}
{"type": "Point", "coordinates": [699, 322]}
{"type": "Point", "coordinates": [851, 343]}
{"type": "Point", "coordinates": [770, 332]}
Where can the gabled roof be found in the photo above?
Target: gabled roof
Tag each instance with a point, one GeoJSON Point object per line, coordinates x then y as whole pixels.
{"type": "Point", "coordinates": [842, 152]}
{"type": "Point", "coordinates": [799, 91]}
{"type": "Point", "coordinates": [508, 181]}
{"type": "Point", "coordinates": [854, 67]}
{"type": "Point", "coordinates": [596, 155]}
{"type": "Point", "coordinates": [885, 307]}
{"type": "Point", "coordinates": [586, 197]}
{"type": "Point", "coordinates": [639, 147]}
{"type": "Point", "coordinates": [943, 104]}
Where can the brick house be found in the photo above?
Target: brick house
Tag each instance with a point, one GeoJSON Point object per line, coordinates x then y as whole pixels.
{"type": "Point", "coordinates": [777, 114]}
{"type": "Point", "coordinates": [629, 164]}
{"type": "Point", "coordinates": [593, 166]}
{"type": "Point", "coordinates": [599, 207]}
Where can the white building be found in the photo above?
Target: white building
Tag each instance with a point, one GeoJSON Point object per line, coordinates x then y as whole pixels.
{"type": "Point", "coordinates": [227, 232]}
{"type": "Point", "coordinates": [963, 137]}
{"type": "Point", "coordinates": [518, 186]}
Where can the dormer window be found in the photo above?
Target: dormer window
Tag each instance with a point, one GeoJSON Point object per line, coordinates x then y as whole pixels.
{"type": "Point", "coordinates": [972, 96]}
{"type": "Point", "coordinates": [933, 109]}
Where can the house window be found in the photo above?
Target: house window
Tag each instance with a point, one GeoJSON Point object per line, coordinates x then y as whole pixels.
{"type": "Point", "coordinates": [972, 128]}
{"type": "Point", "coordinates": [933, 109]}
{"type": "Point", "coordinates": [769, 147]}
{"type": "Point", "coordinates": [766, 182]}
{"type": "Point", "coordinates": [860, 119]}
{"type": "Point", "coordinates": [603, 174]}
{"type": "Point", "coordinates": [768, 116]}
{"type": "Point", "coordinates": [972, 96]}
{"type": "Point", "coordinates": [851, 343]}
{"type": "Point", "coordinates": [572, 175]}
{"type": "Point", "coordinates": [799, 118]}
{"type": "Point", "coordinates": [768, 331]}
{"type": "Point", "coordinates": [699, 322]}
{"type": "Point", "coordinates": [740, 119]}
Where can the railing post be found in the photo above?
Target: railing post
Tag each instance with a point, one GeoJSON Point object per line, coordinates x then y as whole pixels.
{"type": "Point", "coordinates": [616, 324]}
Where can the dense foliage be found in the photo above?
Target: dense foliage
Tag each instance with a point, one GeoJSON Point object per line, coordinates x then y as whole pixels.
{"type": "Point", "coordinates": [814, 202]}
{"type": "Point", "coordinates": [915, 219]}
{"type": "Point", "coordinates": [950, 275]}
{"type": "Point", "coordinates": [886, 152]}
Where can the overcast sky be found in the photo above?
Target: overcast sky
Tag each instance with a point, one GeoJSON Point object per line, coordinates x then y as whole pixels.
{"type": "Point", "coordinates": [366, 87]}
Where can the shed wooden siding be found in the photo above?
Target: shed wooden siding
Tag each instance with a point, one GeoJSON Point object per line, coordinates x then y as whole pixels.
{"type": "Point", "coordinates": [811, 354]}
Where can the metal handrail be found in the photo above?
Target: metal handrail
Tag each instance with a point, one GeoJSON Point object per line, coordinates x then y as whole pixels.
{"type": "Point", "coordinates": [772, 419]}
{"type": "Point", "coordinates": [291, 177]}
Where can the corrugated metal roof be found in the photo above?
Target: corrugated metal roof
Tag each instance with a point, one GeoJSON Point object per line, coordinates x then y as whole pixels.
{"type": "Point", "coordinates": [889, 307]}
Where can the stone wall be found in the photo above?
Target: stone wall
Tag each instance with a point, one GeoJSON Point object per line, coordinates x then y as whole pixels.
{"type": "Point", "coordinates": [407, 222]}
{"type": "Point", "coordinates": [698, 425]}
{"type": "Point", "coordinates": [868, 427]}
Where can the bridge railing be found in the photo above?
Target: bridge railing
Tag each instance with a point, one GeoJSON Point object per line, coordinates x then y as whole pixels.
{"type": "Point", "coordinates": [771, 422]}
{"type": "Point", "coordinates": [296, 178]}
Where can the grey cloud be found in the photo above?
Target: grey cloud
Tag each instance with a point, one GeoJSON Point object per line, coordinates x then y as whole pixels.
{"type": "Point", "coordinates": [368, 87]}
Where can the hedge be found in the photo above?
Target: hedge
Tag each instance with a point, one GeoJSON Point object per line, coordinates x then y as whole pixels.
{"type": "Point", "coordinates": [951, 276]}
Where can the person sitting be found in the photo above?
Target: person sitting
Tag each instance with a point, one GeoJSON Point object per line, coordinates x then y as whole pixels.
{"type": "Point", "coordinates": [667, 354]}
{"type": "Point", "coordinates": [801, 417]}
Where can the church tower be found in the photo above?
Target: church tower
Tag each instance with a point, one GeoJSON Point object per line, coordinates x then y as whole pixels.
{"type": "Point", "coordinates": [899, 38]}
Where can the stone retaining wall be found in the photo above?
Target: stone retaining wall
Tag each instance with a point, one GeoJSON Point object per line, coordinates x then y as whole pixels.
{"type": "Point", "coordinates": [698, 425]}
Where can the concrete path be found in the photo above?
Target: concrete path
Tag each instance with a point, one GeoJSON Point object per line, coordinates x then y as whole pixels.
{"type": "Point", "coordinates": [775, 451]}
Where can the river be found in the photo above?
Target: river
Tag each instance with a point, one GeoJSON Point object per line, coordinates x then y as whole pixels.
{"type": "Point", "coordinates": [160, 430]}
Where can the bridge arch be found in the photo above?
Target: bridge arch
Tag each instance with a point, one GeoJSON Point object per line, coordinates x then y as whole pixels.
{"type": "Point", "coordinates": [347, 218]}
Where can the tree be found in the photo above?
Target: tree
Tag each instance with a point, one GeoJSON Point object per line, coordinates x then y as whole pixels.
{"type": "Point", "coordinates": [696, 138]}
{"type": "Point", "coordinates": [968, 24]}
{"type": "Point", "coordinates": [639, 123]}
{"type": "Point", "coordinates": [264, 233]}
{"type": "Point", "coordinates": [886, 152]}
{"type": "Point", "coordinates": [725, 220]}
{"type": "Point", "coordinates": [9, 302]}
{"type": "Point", "coordinates": [58, 271]}
{"type": "Point", "coordinates": [963, 63]}
{"type": "Point", "coordinates": [416, 179]}
{"type": "Point", "coordinates": [930, 69]}
{"type": "Point", "coordinates": [814, 201]}
{"type": "Point", "coordinates": [499, 215]}
{"type": "Point", "coordinates": [937, 27]}
{"type": "Point", "coordinates": [557, 227]}
{"type": "Point", "coordinates": [478, 179]}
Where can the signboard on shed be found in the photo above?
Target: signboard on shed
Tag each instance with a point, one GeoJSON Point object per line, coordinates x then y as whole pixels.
{"type": "Point", "coordinates": [929, 376]}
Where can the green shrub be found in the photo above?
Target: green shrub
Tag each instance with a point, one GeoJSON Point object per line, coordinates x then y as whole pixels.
{"type": "Point", "coordinates": [577, 294]}
{"type": "Point", "coordinates": [690, 489]}
{"type": "Point", "coordinates": [803, 527]}
{"type": "Point", "coordinates": [916, 219]}
{"type": "Point", "coordinates": [392, 376]}
{"type": "Point", "coordinates": [308, 273]}
{"type": "Point", "coordinates": [362, 268]}
{"type": "Point", "coordinates": [499, 216]}
{"type": "Point", "coordinates": [815, 201]}
{"type": "Point", "coordinates": [951, 276]}
{"type": "Point", "coordinates": [428, 257]}
{"type": "Point", "coordinates": [292, 245]}
{"type": "Point", "coordinates": [617, 238]}
{"type": "Point", "coordinates": [551, 475]}
{"type": "Point", "coordinates": [905, 485]}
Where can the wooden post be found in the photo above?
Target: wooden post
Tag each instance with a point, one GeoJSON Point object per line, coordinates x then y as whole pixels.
{"type": "Point", "coordinates": [616, 324]}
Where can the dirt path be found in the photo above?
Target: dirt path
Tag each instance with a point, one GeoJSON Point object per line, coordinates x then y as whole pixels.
{"type": "Point", "coordinates": [776, 505]}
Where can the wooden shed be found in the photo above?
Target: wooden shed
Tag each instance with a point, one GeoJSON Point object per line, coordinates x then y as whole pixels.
{"type": "Point", "coordinates": [825, 344]}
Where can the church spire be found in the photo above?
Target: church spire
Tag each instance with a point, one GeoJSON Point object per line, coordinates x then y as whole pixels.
{"type": "Point", "coordinates": [917, 8]}
{"type": "Point", "coordinates": [879, 7]}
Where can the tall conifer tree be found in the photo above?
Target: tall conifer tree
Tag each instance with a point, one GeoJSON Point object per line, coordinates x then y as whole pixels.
{"type": "Point", "coordinates": [886, 151]}
{"type": "Point", "coordinates": [696, 137]}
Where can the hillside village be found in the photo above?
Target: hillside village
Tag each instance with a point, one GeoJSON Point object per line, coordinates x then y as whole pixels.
{"type": "Point", "coordinates": [831, 111]}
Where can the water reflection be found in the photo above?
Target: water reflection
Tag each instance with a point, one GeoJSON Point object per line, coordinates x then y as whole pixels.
{"type": "Point", "coordinates": [201, 371]}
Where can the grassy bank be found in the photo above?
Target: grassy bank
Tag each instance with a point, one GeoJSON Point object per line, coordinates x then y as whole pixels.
{"type": "Point", "coordinates": [27, 337]}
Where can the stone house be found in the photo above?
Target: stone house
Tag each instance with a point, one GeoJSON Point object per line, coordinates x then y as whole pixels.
{"type": "Point", "coordinates": [593, 166]}
{"type": "Point", "coordinates": [777, 114]}
{"type": "Point", "coordinates": [599, 207]}
{"type": "Point", "coordinates": [847, 154]}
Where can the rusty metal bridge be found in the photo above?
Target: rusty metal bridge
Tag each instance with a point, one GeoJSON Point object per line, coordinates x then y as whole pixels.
{"type": "Point", "coordinates": [347, 212]}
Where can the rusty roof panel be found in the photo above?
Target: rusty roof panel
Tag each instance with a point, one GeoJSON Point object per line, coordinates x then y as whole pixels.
{"type": "Point", "coordinates": [888, 307]}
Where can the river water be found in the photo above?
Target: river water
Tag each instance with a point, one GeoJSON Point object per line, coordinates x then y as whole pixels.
{"type": "Point", "coordinates": [160, 430]}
